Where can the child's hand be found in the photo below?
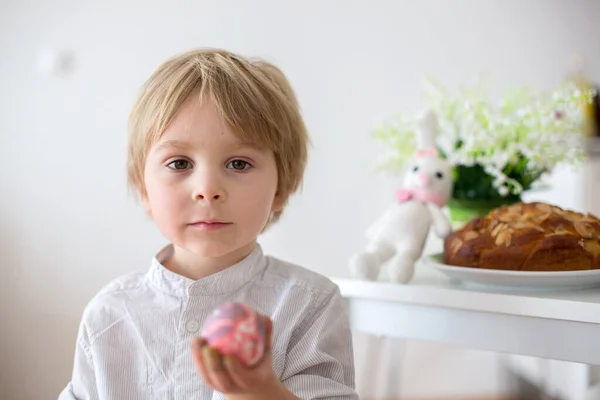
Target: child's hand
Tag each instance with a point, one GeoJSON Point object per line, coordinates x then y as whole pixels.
{"type": "Point", "coordinates": [227, 374]}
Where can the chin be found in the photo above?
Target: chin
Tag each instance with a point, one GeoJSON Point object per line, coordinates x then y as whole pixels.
{"type": "Point", "coordinates": [210, 249]}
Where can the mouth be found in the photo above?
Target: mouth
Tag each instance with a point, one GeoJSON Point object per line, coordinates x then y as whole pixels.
{"type": "Point", "coordinates": [210, 225]}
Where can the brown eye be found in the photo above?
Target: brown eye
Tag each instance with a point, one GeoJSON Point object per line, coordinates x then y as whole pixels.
{"type": "Point", "coordinates": [239, 165]}
{"type": "Point", "coordinates": [179, 164]}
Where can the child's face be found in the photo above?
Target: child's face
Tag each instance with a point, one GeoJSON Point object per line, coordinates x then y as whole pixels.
{"type": "Point", "coordinates": [209, 193]}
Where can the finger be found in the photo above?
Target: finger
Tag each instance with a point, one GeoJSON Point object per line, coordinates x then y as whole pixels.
{"type": "Point", "coordinates": [268, 333]}
{"type": "Point", "coordinates": [239, 376]}
{"type": "Point", "coordinates": [198, 345]}
{"type": "Point", "coordinates": [216, 370]}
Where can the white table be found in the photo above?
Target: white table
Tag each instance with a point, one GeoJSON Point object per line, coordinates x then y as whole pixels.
{"type": "Point", "coordinates": [555, 325]}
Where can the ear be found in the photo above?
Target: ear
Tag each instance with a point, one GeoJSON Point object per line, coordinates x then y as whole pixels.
{"type": "Point", "coordinates": [278, 202]}
{"type": "Point", "coordinates": [146, 204]}
{"type": "Point", "coordinates": [427, 129]}
{"type": "Point", "coordinates": [428, 152]}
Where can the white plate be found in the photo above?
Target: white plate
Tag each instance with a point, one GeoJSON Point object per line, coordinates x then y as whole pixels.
{"type": "Point", "coordinates": [517, 279]}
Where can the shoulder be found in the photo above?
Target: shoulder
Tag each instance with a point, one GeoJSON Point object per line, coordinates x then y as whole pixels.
{"type": "Point", "coordinates": [300, 297]}
{"type": "Point", "coordinates": [302, 290]}
{"type": "Point", "coordinates": [281, 273]}
{"type": "Point", "coordinates": [119, 288]}
{"type": "Point", "coordinates": [123, 283]}
{"type": "Point", "coordinates": [109, 304]}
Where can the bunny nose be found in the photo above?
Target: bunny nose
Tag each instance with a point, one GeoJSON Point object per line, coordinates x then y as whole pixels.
{"type": "Point", "coordinates": [423, 179]}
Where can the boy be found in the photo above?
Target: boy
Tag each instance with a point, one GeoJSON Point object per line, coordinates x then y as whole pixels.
{"type": "Point", "coordinates": [216, 147]}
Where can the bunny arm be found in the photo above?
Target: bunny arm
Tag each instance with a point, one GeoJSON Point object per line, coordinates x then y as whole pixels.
{"type": "Point", "coordinates": [439, 221]}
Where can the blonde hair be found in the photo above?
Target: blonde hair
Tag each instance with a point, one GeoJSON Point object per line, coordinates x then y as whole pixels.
{"type": "Point", "coordinates": [253, 97]}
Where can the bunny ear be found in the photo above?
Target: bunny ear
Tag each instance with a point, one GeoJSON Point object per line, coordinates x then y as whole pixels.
{"type": "Point", "coordinates": [427, 129]}
{"type": "Point", "coordinates": [428, 152]}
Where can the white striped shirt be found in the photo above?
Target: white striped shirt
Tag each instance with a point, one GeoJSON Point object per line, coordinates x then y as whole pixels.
{"type": "Point", "coordinates": [133, 341]}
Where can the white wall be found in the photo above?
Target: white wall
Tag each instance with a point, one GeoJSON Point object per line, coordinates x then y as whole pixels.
{"type": "Point", "coordinates": [67, 223]}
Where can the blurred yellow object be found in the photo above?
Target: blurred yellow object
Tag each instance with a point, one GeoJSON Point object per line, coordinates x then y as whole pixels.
{"type": "Point", "coordinates": [590, 110]}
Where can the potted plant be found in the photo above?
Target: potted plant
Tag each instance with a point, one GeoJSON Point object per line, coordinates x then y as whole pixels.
{"type": "Point", "coordinates": [500, 149]}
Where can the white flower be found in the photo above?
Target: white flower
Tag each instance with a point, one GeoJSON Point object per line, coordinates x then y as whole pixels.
{"type": "Point", "coordinates": [522, 132]}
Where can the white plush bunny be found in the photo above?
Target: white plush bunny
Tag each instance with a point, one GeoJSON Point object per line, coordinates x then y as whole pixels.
{"type": "Point", "coordinates": [398, 237]}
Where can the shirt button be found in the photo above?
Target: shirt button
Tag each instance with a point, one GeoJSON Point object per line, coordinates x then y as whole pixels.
{"type": "Point", "coordinates": [192, 326]}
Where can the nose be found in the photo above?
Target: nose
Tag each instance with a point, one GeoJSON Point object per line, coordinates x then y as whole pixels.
{"type": "Point", "coordinates": [201, 196]}
{"type": "Point", "coordinates": [209, 188]}
{"type": "Point", "coordinates": [423, 179]}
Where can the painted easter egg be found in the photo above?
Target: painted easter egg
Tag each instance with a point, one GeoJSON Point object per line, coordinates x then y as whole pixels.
{"type": "Point", "coordinates": [235, 329]}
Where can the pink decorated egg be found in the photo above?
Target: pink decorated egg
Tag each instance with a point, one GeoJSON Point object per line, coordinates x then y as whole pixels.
{"type": "Point", "coordinates": [235, 329]}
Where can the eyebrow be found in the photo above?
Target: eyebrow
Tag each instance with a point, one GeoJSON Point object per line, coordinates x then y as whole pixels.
{"type": "Point", "coordinates": [247, 145]}
{"type": "Point", "coordinates": [182, 145]}
{"type": "Point", "coordinates": [178, 144]}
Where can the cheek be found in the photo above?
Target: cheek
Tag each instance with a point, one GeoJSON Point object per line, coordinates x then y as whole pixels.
{"type": "Point", "coordinates": [258, 197]}
{"type": "Point", "coordinates": [162, 198]}
{"type": "Point", "coordinates": [261, 201]}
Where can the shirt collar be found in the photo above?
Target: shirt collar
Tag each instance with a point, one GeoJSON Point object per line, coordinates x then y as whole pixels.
{"type": "Point", "coordinates": [225, 281]}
